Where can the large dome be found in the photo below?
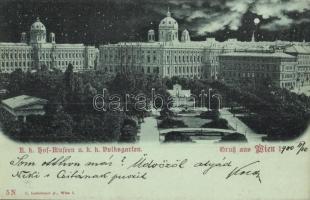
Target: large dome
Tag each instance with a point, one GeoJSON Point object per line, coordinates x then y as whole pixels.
{"type": "Point", "coordinates": [37, 32]}
{"type": "Point", "coordinates": [168, 22]}
{"type": "Point", "coordinates": [37, 26]}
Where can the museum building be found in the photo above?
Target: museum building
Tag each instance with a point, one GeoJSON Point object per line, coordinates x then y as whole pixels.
{"type": "Point", "coordinates": [167, 55]}
{"type": "Point", "coordinates": [35, 52]}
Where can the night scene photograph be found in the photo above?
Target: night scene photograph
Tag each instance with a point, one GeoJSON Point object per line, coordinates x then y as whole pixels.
{"type": "Point", "coordinates": [154, 71]}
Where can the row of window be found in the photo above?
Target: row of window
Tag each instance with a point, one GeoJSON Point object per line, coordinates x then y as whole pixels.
{"type": "Point", "coordinates": [43, 55]}
{"type": "Point", "coordinates": [179, 69]}
{"type": "Point", "coordinates": [304, 59]}
{"type": "Point", "coordinates": [288, 68]}
{"type": "Point", "coordinates": [287, 76]}
{"type": "Point", "coordinates": [187, 59]}
{"type": "Point", "coordinates": [257, 59]}
{"type": "Point", "coordinates": [266, 67]}
{"type": "Point", "coordinates": [16, 55]}
{"type": "Point", "coordinates": [137, 51]}
{"type": "Point", "coordinates": [114, 52]}
{"type": "Point", "coordinates": [17, 64]}
{"type": "Point", "coordinates": [184, 69]}
{"type": "Point", "coordinates": [69, 55]}
{"type": "Point", "coordinates": [148, 70]}
{"type": "Point", "coordinates": [152, 59]}
{"type": "Point", "coordinates": [303, 69]}
{"type": "Point", "coordinates": [31, 63]}
{"type": "Point", "coordinates": [73, 62]}
{"type": "Point", "coordinates": [288, 84]}
{"type": "Point", "coordinates": [304, 62]}
{"type": "Point", "coordinates": [231, 74]}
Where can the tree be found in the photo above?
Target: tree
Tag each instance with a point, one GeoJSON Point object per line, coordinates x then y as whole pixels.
{"type": "Point", "coordinates": [129, 131]}
{"type": "Point", "coordinates": [72, 92]}
{"type": "Point", "coordinates": [89, 93]}
{"type": "Point", "coordinates": [113, 123]}
{"type": "Point", "coordinates": [16, 83]}
{"type": "Point", "coordinates": [69, 78]}
{"type": "Point", "coordinates": [61, 126]}
{"type": "Point", "coordinates": [34, 128]}
{"type": "Point", "coordinates": [122, 84]}
{"type": "Point", "coordinates": [91, 128]}
{"type": "Point", "coordinates": [53, 106]}
{"type": "Point", "coordinates": [47, 80]}
{"type": "Point", "coordinates": [166, 113]}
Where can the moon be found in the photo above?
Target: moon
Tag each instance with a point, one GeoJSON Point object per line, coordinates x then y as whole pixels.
{"type": "Point", "coordinates": [256, 21]}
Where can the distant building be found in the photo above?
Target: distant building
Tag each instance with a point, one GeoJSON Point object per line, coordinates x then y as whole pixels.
{"type": "Point", "coordinates": [18, 108]}
{"type": "Point", "coordinates": [180, 97]}
{"type": "Point", "coordinates": [258, 67]}
{"type": "Point", "coordinates": [177, 91]}
{"type": "Point", "coordinates": [36, 52]}
{"type": "Point", "coordinates": [302, 53]}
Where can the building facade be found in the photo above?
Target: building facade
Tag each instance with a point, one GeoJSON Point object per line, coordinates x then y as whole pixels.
{"type": "Point", "coordinates": [276, 68]}
{"type": "Point", "coordinates": [176, 55]}
{"type": "Point", "coordinates": [170, 56]}
{"type": "Point", "coordinates": [166, 60]}
{"type": "Point", "coordinates": [302, 53]}
{"type": "Point", "coordinates": [39, 51]}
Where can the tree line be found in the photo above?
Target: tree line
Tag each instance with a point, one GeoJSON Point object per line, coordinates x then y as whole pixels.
{"type": "Point", "coordinates": [69, 113]}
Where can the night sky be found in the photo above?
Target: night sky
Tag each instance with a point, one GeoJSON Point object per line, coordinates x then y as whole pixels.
{"type": "Point", "coordinates": [102, 21]}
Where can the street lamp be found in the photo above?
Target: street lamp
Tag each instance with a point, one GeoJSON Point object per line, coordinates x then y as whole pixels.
{"type": "Point", "coordinates": [210, 98]}
{"type": "Point", "coordinates": [218, 97]}
{"type": "Point", "coordinates": [202, 95]}
{"type": "Point", "coordinates": [152, 96]}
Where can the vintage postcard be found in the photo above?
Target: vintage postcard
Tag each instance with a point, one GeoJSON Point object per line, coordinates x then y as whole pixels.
{"type": "Point", "coordinates": [155, 99]}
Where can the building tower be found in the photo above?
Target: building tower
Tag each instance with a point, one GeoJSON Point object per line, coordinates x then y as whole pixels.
{"type": "Point", "coordinates": [37, 33]}
{"type": "Point", "coordinates": [256, 22]}
{"type": "Point", "coordinates": [168, 29]}
{"type": "Point", "coordinates": [52, 38]}
{"type": "Point", "coordinates": [23, 37]}
{"type": "Point", "coordinates": [253, 37]}
{"type": "Point", "coordinates": [151, 36]}
{"type": "Point", "coordinates": [185, 36]}
{"type": "Point", "coordinates": [37, 38]}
